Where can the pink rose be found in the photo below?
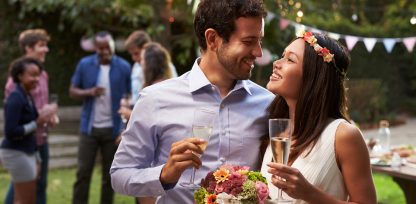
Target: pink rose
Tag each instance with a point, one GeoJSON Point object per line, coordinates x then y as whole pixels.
{"type": "Point", "coordinates": [262, 191]}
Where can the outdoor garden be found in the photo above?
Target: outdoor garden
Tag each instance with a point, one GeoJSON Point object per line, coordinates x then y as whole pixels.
{"type": "Point", "coordinates": [380, 35]}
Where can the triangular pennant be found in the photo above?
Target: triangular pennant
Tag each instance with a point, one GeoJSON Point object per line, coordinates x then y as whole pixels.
{"type": "Point", "coordinates": [299, 27]}
{"type": "Point", "coordinates": [409, 43]}
{"type": "Point", "coordinates": [389, 44]}
{"type": "Point", "coordinates": [369, 43]}
{"type": "Point", "coordinates": [265, 59]}
{"type": "Point", "coordinates": [351, 41]}
{"type": "Point", "coordinates": [270, 16]}
{"type": "Point", "coordinates": [335, 36]}
{"type": "Point", "coordinates": [283, 23]}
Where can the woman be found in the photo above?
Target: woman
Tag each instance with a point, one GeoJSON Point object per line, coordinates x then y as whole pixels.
{"type": "Point", "coordinates": [329, 161]}
{"type": "Point", "coordinates": [18, 151]}
{"type": "Point", "coordinates": [155, 61]}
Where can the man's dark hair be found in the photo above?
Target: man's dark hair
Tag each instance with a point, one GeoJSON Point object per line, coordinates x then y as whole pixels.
{"type": "Point", "coordinates": [19, 66]}
{"type": "Point", "coordinates": [29, 38]}
{"type": "Point", "coordinates": [221, 15]}
{"type": "Point", "coordinates": [138, 38]}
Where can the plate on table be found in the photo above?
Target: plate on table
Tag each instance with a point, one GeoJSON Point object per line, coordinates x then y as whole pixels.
{"type": "Point", "coordinates": [379, 162]}
{"type": "Point", "coordinates": [410, 162]}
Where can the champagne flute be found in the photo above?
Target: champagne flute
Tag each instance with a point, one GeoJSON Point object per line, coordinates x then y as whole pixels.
{"type": "Point", "coordinates": [201, 128]}
{"type": "Point", "coordinates": [280, 131]}
{"type": "Point", "coordinates": [125, 102]}
{"type": "Point", "coordinates": [52, 99]}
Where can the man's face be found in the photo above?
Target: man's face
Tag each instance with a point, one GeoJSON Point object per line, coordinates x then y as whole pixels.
{"type": "Point", "coordinates": [38, 51]}
{"type": "Point", "coordinates": [135, 53]}
{"type": "Point", "coordinates": [103, 49]}
{"type": "Point", "coordinates": [238, 54]}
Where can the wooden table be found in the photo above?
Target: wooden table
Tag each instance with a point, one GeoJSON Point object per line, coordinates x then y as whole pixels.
{"type": "Point", "coordinates": [404, 176]}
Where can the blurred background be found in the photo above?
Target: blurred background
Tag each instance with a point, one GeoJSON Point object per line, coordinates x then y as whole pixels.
{"type": "Point", "coordinates": [380, 34]}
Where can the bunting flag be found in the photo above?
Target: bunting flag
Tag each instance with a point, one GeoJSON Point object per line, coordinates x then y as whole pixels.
{"type": "Point", "coordinates": [409, 43]}
{"type": "Point", "coordinates": [369, 43]}
{"type": "Point", "coordinates": [389, 44]}
{"type": "Point", "coordinates": [351, 40]}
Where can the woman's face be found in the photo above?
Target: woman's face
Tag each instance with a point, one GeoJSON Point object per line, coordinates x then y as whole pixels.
{"type": "Point", "coordinates": [286, 78]}
{"type": "Point", "coordinates": [30, 77]}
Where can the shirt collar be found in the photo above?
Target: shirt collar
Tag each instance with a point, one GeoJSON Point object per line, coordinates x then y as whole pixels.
{"type": "Point", "coordinates": [197, 80]}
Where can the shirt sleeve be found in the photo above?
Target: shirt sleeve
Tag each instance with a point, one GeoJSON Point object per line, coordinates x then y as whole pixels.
{"type": "Point", "coordinates": [13, 111]}
{"type": "Point", "coordinates": [132, 172]}
{"type": "Point", "coordinates": [77, 76]}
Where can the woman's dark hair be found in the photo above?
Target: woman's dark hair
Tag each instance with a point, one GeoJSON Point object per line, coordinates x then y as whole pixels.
{"type": "Point", "coordinates": [221, 15]}
{"type": "Point", "coordinates": [156, 64]}
{"type": "Point", "coordinates": [321, 97]}
{"type": "Point", "coordinates": [18, 66]}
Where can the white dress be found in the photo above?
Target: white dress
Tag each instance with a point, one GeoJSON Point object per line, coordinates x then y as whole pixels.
{"type": "Point", "coordinates": [319, 167]}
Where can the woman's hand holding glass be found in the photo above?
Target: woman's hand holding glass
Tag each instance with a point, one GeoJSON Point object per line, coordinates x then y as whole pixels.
{"type": "Point", "coordinates": [291, 181]}
{"type": "Point", "coordinates": [280, 132]}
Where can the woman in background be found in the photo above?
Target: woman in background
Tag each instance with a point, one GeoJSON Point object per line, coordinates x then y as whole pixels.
{"type": "Point", "coordinates": [18, 151]}
{"type": "Point", "coordinates": [156, 62]}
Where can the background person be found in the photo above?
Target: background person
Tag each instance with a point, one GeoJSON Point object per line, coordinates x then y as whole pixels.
{"type": "Point", "coordinates": [329, 160]}
{"type": "Point", "coordinates": [19, 151]}
{"type": "Point", "coordinates": [100, 80]}
{"type": "Point", "coordinates": [134, 45]}
{"type": "Point", "coordinates": [156, 68]}
{"type": "Point", "coordinates": [34, 44]}
{"type": "Point", "coordinates": [155, 154]}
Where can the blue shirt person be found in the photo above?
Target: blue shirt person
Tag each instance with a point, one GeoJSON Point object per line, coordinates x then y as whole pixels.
{"type": "Point", "coordinates": [155, 154]}
{"type": "Point", "coordinates": [100, 80]}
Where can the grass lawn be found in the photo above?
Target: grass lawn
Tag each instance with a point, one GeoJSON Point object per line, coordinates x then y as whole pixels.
{"type": "Point", "coordinates": [61, 181]}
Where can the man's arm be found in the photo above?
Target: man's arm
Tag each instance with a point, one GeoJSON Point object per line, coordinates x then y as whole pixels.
{"type": "Point", "coordinates": [81, 94]}
{"type": "Point", "coordinates": [131, 171]}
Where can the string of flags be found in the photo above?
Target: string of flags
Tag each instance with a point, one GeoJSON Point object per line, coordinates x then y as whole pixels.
{"type": "Point", "coordinates": [351, 40]}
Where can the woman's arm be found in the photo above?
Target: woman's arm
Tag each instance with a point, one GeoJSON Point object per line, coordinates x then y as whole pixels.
{"type": "Point", "coordinates": [354, 162]}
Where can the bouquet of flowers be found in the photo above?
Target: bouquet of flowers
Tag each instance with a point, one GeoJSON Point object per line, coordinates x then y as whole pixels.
{"type": "Point", "coordinates": [232, 184]}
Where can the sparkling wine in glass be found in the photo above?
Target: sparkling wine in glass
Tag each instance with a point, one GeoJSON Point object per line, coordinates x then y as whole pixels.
{"type": "Point", "coordinates": [201, 128]}
{"type": "Point", "coordinates": [52, 99]}
{"type": "Point", "coordinates": [280, 131]}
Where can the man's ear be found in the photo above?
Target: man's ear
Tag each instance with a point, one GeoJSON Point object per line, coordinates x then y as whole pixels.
{"type": "Point", "coordinates": [28, 49]}
{"type": "Point", "coordinates": [212, 38]}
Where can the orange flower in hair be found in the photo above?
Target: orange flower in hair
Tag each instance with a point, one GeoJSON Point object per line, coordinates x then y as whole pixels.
{"type": "Point", "coordinates": [311, 39]}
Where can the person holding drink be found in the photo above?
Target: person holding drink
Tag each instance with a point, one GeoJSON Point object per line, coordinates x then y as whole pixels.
{"type": "Point", "coordinates": [34, 44]}
{"type": "Point", "coordinates": [328, 160]}
{"type": "Point", "coordinates": [100, 81]}
{"type": "Point", "coordinates": [158, 151]}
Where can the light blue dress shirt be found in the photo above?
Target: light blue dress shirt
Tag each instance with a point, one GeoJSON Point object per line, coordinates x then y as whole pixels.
{"type": "Point", "coordinates": [164, 114]}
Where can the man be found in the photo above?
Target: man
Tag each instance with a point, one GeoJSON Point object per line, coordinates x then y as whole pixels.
{"type": "Point", "coordinates": [100, 80]}
{"type": "Point", "coordinates": [34, 44]}
{"type": "Point", "coordinates": [156, 154]}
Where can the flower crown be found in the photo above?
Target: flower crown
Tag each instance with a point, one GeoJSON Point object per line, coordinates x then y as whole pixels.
{"type": "Point", "coordinates": [311, 39]}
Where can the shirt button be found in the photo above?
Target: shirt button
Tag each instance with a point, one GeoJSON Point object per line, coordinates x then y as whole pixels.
{"type": "Point", "coordinates": [222, 159]}
{"type": "Point", "coordinates": [213, 88]}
